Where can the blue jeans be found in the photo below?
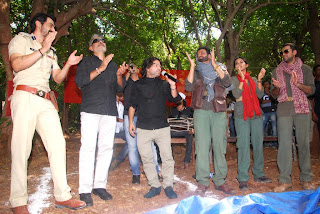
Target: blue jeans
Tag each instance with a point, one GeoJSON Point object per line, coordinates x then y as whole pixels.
{"type": "Point", "coordinates": [124, 151]}
{"type": "Point", "coordinates": [133, 149]}
{"type": "Point", "coordinates": [231, 127]}
{"type": "Point", "coordinates": [272, 116]}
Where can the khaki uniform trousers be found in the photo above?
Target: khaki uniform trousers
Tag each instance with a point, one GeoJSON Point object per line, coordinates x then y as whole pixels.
{"type": "Point", "coordinates": [29, 113]}
{"type": "Point", "coordinates": [162, 138]}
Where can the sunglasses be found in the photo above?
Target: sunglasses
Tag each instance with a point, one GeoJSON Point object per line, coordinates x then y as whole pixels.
{"type": "Point", "coordinates": [285, 51]}
{"type": "Point", "coordinates": [98, 40]}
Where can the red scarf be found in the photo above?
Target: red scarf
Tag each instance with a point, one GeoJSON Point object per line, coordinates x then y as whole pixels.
{"type": "Point", "coordinates": [249, 97]}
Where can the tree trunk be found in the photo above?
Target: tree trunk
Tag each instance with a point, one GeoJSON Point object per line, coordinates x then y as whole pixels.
{"type": "Point", "coordinates": [5, 37]}
{"type": "Point", "coordinates": [38, 6]}
{"type": "Point", "coordinates": [64, 19]}
{"type": "Point", "coordinates": [313, 26]}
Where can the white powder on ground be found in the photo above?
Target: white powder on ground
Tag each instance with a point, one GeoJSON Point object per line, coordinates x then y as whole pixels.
{"type": "Point", "coordinates": [193, 187]}
{"type": "Point", "coordinates": [40, 199]}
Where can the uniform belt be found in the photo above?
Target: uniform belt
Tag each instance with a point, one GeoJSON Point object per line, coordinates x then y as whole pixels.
{"type": "Point", "coordinates": [290, 99]}
{"type": "Point", "coordinates": [34, 91]}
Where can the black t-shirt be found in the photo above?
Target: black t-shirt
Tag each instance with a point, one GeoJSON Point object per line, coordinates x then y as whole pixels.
{"type": "Point", "coordinates": [149, 95]}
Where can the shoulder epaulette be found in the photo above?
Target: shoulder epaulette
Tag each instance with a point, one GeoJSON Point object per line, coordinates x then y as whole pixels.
{"type": "Point", "coordinates": [25, 35]}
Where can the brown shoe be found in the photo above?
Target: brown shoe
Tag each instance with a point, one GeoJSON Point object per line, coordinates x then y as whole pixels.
{"type": "Point", "coordinates": [71, 204]}
{"type": "Point", "coordinates": [186, 165]}
{"type": "Point", "coordinates": [243, 185]}
{"type": "Point", "coordinates": [226, 189]}
{"type": "Point", "coordinates": [201, 190]}
{"type": "Point", "coordinates": [282, 187]}
{"type": "Point", "coordinates": [20, 210]}
{"type": "Point", "coordinates": [263, 179]}
{"type": "Point", "coordinates": [307, 185]}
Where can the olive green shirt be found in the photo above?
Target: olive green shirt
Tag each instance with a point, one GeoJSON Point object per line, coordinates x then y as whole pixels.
{"type": "Point", "coordinates": [237, 93]}
{"type": "Point", "coordinates": [287, 108]}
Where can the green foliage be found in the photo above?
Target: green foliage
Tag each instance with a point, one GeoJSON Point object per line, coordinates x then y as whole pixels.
{"type": "Point", "coordinates": [271, 27]}
{"type": "Point", "coordinates": [20, 12]}
{"type": "Point", "coordinates": [136, 29]}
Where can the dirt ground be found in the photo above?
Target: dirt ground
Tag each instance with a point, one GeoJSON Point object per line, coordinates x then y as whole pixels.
{"type": "Point", "coordinates": [128, 197]}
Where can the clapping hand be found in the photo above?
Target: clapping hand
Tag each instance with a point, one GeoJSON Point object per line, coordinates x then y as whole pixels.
{"type": "Point", "coordinates": [105, 62]}
{"type": "Point", "coordinates": [261, 74]}
{"type": "Point", "coordinates": [73, 59]}
{"type": "Point", "coordinates": [294, 78]}
{"type": "Point", "coordinates": [276, 83]}
{"type": "Point", "coordinates": [240, 73]}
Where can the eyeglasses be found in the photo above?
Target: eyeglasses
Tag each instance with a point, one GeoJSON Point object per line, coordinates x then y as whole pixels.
{"type": "Point", "coordinates": [98, 40]}
{"type": "Point", "coordinates": [285, 51]}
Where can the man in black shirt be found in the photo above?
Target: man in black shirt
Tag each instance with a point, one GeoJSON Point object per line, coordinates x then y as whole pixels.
{"type": "Point", "coordinates": [99, 79]}
{"type": "Point", "coordinates": [149, 95]}
{"type": "Point", "coordinates": [181, 111]}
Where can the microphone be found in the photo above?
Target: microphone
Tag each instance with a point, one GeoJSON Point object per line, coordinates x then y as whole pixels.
{"type": "Point", "coordinates": [164, 73]}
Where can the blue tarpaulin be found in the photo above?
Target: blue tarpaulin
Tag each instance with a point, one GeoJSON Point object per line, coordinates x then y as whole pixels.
{"type": "Point", "coordinates": [304, 201]}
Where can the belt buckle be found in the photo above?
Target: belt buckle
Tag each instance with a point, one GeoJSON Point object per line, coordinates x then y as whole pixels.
{"type": "Point", "coordinates": [290, 99]}
{"type": "Point", "coordinates": [40, 93]}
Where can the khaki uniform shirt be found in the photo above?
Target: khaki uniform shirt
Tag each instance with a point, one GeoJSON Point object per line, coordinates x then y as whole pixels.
{"type": "Point", "coordinates": [38, 74]}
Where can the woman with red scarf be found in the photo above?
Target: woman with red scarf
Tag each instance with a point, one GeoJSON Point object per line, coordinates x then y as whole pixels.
{"type": "Point", "coordinates": [248, 123]}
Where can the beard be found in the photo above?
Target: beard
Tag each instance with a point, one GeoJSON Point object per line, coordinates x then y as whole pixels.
{"type": "Point", "coordinates": [289, 59]}
{"type": "Point", "coordinates": [203, 59]}
{"type": "Point", "coordinates": [44, 32]}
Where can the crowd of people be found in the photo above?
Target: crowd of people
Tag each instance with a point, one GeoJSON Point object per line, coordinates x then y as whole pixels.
{"type": "Point", "coordinates": [141, 120]}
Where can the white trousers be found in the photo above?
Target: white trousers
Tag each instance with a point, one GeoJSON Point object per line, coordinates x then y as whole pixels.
{"type": "Point", "coordinates": [97, 136]}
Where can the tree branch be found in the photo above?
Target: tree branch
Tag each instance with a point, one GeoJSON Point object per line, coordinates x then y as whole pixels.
{"type": "Point", "coordinates": [116, 11]}
{"type": "Point", "coordinates": [195, 24]}
{"type": "Point", "coordinates": [123, 33]}
{"type": "Point", "coordinates": [215, 9]}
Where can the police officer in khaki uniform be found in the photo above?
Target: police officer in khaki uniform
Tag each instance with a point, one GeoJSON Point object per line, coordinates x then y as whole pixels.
{"type": "Point", "coordinates": [34, 61]}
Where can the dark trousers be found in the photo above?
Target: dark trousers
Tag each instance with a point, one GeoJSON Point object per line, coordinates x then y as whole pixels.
{"type": "Point", "coordinates": [189, 138]}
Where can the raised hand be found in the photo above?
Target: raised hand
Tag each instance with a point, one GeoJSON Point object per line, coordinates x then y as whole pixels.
{"type": "Point", "coordinates": [191, 61]}
{"type": "Point", "coordinates": [294, 78]}
{"type": "Point", "coordinates": [122, 69]}
{"type": "Point", "coordinates": [213, 58]}
{"type": "Point", "coordinates": [73, 59]}
{"type": "Point", "coordinates": [261, 74]}
{"type": "Point", "coordinates": [47, 42]}
{"type": "Point", "coordinates": [171, 82]}
{"type": "Point", "coordinates": [105, 62]}
{"type": "Point", "coordinates": [276, 83]}
{"type": "Point", "coordinates": [240, 73]}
